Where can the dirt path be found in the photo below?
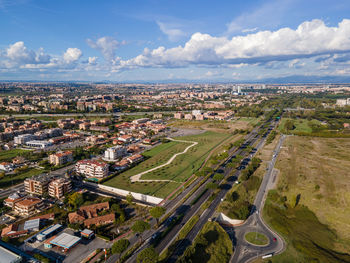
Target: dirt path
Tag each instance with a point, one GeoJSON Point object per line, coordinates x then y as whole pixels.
{"type": "Point", "coordinates": [137, 177]}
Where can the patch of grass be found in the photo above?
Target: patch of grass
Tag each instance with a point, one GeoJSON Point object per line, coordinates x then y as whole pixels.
{"type": "Point", "coordinates": [256, 238]}
{"type": "Point", "coordinates": [178, 171]}
{"type": "Point", "coordinates": [7, 156]}
{"type": "Point", "coordinates": [14, 179]}
{"type": "Point", "coordinates": [301, 125]}
{"type": "Point", "coordinates": [211, 245]}
{"type": "Point", "coordinates": [308, 240]}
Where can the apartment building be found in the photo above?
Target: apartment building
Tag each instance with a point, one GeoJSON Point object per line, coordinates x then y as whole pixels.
{"type": "Point", "coordinates": [28, 206]}
{"type": "Point", "coordinates": [61, 158]}
{"type": "Point", "coordinates": [59, 187]}
{"type": "Point", "coordinates": [23, 138]}
{"type": "Point", "coordinates": [92, 168]}
{"type": "Point", "coordinates": [114, 153]}
{"type": "Point", "coordinates": [37, 185]}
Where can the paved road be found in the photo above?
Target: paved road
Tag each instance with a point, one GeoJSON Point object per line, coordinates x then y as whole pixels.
{"type": "Point", "coordinates": [208, 213]}
{"type": "Point", "coordinates": [187, 209]}
{"type": "Point", "coordinates": [244, 251]}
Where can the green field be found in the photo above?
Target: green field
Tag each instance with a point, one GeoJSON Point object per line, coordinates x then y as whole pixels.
{"type": "Point", "coordinates": [301, 125]}
{"type": "Point", "coordinates": [9, 180]}
{"type": "Point", "coordinates": [312, 193]}
{"type": "Point", "coordinates": [10, 154]}
{"type": "Point", "coordinates": [256, 238]}
{"type": "Point", "coordinates": [178, 171]}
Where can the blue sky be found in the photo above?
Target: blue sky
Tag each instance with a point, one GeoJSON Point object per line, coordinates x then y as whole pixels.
{"type": "Point", "coordinates": [173, 40]}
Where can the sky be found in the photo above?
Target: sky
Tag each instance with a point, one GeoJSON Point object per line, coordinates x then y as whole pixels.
{"type": "Point", "coordinates": [167, 40]}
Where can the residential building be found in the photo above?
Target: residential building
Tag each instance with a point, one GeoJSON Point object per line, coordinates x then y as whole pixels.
{"type": "Point", "coordinates": [7, 167]}
{"type": "Point", "coordinates": [142, 120]}
{"type": "Point", "coordinates": [59, 187]}
{"type": "Point", "coordinates": [12, 199]}
{"type": "Point", "coordinates": [37, 185]}
{"type": "Point", "coordinates": [23, 138]}
{"type": "Point", "coordinates": [39, 144]}
{"type": "Point", "coordinates": [189, 116]}
{"type": "Point", "coordinates": [100, 220]}
{"type": "Point", "coordinates": [178, 115]}
{"type": "Point", "coordinates": [28, 206]}
{"type": "Point", "coordinates": [61, 158]}
{"type": "Point", "coordinates": [114, 153]}
{"type": "Point", "coordinates": [92, 168]}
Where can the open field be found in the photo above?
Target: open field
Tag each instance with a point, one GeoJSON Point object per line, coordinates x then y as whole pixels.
{"type": "Point", "coordinates": [312, 194]}
{"type": "Point", "coordinates": [178, 171]}
{"type": "Point", "coordinates": [10, 154]}
{"type": "Point", "coordinates": [301, 125]}
{"type": "Point", "coordinates": [212, 125]}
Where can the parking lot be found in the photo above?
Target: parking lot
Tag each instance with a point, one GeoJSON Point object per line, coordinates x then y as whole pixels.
{"type": "Point", "coordinates": [75, 254]}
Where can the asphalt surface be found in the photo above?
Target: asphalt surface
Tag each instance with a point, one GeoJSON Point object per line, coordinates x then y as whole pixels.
{"type": "Point", "coordinates": [244, 251]}
{"type": "Point", "coordinates": [209, 212]}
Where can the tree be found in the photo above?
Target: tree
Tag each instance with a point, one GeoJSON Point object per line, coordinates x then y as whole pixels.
{"type": "Point", "coordinates": [289, 125]}
{"type": "Point", "coordinates": [157, 212]}
{"type": "Point", "coordinates": [218, 177]}
{"type": "Point", "coordinates": [129, 198]}
{"type": "Point", "coordinates": [148, 255]}
{"type": "Point", "coordinates": [212, 186]}
{"type": "Point", "coordinates": [139, 227]}
{"type": "Point", "coordinates": [120, 246]}
{"type": "Point", "coordinates": [76, 199]}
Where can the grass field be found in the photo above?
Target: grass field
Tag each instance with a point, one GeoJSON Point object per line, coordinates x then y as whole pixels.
{"type": "Point", "coordinates": [256, 238]}
{"type": "Point", "coordinates": [10, 154]}
{"type": "Point", "coordinates": [10, 180]}
{"type": "Point", "coordinates": [313, 192]}
{"type": "Point", "coordinates": [179, 170]}
{"type": "Point", "coordinates": [216, 125]}
{"type": "Point", "coordinates": [212, 245]}
{"type": "Point", "coordinates": [301, 125]}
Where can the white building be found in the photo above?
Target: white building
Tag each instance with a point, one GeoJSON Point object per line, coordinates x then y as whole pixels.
{"type": "Point", "coordinates": [114, 153]}
{"type": "Point", "coordinates": [92, 168]}
{"type": "Point", "coordinates": [7, 167]}
{"type": "Point", "coordinates": [23, 138]}
{"type": "Point", "coordinates": [139, 121]}
{"type": "Point", "coordinates": [343, 102]}
{"type": "Point", "coordinates": [39, 144]}
{"type": "Point", "coordinates": [196, 112]}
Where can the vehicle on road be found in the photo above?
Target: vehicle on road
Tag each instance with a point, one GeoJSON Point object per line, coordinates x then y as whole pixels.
{"type": "Point", "coordinates": [274, 239]}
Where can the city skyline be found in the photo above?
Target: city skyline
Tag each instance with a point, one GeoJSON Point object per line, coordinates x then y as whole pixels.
{"type": "Point", "coordinates": [165, 41]}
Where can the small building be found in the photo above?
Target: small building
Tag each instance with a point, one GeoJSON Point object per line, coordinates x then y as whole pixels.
{"type": "Point", "coordinates": [12, 199]}
{"type": "Point", "coordinates": [49, 232]}
{"type": "Point", "coordinates": [189, 116]}
{"type": "Point", "coordinates": [39, 144]}
{"type": "Point", "coordinates": [139, 121]}
{"type": "Point", "coordinates": [178, 115]}
{"type": "Point", "coordinates": [87, 233]}
{"type": "Point", "coordinates": [28, 206]}
{"type": "Point", "coordinates": [65, 241]}
{"type": "Point", "coordinates": [9, 256]}
{"type": "Point", "coordinates": [7, 167]}
{"type": "Point", "coordinates": [32, 225]}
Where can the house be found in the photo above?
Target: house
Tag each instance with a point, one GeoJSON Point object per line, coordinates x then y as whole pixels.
{"type": "Point", "coordinates": [13, 231]}
{"type": "Point", "coordinates": [135, 158]}
{"type": "Point", "coordinates": [125, 138]}
{"type": "Point", "coordinates": [85, 213]}
{"type": "Point", "coordinates": [178, 115]}
{"type": "Point", "coordinates": [12, 199]}
{"type": "Point", "coordinates": [100, 220]}
{"type": "Point", "coordinates": [28, 206]}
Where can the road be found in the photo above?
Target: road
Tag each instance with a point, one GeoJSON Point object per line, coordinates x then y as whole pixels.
{"type": "Point", "coordinates": [209, 212]}
{"type": "Point", "coordinates": [187, 208]}
{"type": "Point", "coordinates": [244, 251]}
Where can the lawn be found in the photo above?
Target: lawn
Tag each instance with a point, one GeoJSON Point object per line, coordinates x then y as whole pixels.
{"type": "Point", "coordinates": [9, 180]}
{"type": "Point", "coordinates": [7, 156]}
{"type": "Point", "coordinates": [301, 125]}
{"type": "Point", "coordinates": [314, 175]}
{"type": "Point", "coordinates": [178, 171]}
{"type": "Point", "coordinates": [256, 238]}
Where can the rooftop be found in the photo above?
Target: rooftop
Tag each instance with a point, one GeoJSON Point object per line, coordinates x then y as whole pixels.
{"type": "Point", "coordinates": [65, 240]}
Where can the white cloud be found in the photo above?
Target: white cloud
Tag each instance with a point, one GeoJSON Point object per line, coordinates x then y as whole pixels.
{"type": "Point", "coordinates": [311, 38]}
{"type": "Point", "coordinates": [92, 60]}
{"type": "Point", "coordinates": [72, 55]}
{"type": "Point", "coordinates": [249, 30]}
{"type": "Point", "coordinates": [106, 45]}
{"type": "Point", "coordinates": [173, 33]}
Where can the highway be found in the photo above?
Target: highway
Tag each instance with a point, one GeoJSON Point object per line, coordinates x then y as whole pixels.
{"type": "Point", "coordinates": [244, 251]}
{"type": "Point", "coordinates": [208, 213]}
{"type": "Point", "coordinates": [187, 209]}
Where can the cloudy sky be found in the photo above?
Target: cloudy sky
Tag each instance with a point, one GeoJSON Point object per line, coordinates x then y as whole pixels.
{"type": "Point", "coordinates": [167, 40]}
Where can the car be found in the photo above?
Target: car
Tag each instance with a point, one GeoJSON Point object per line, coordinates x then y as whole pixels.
{"type": "Point", "coordinates": [274, 239]}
